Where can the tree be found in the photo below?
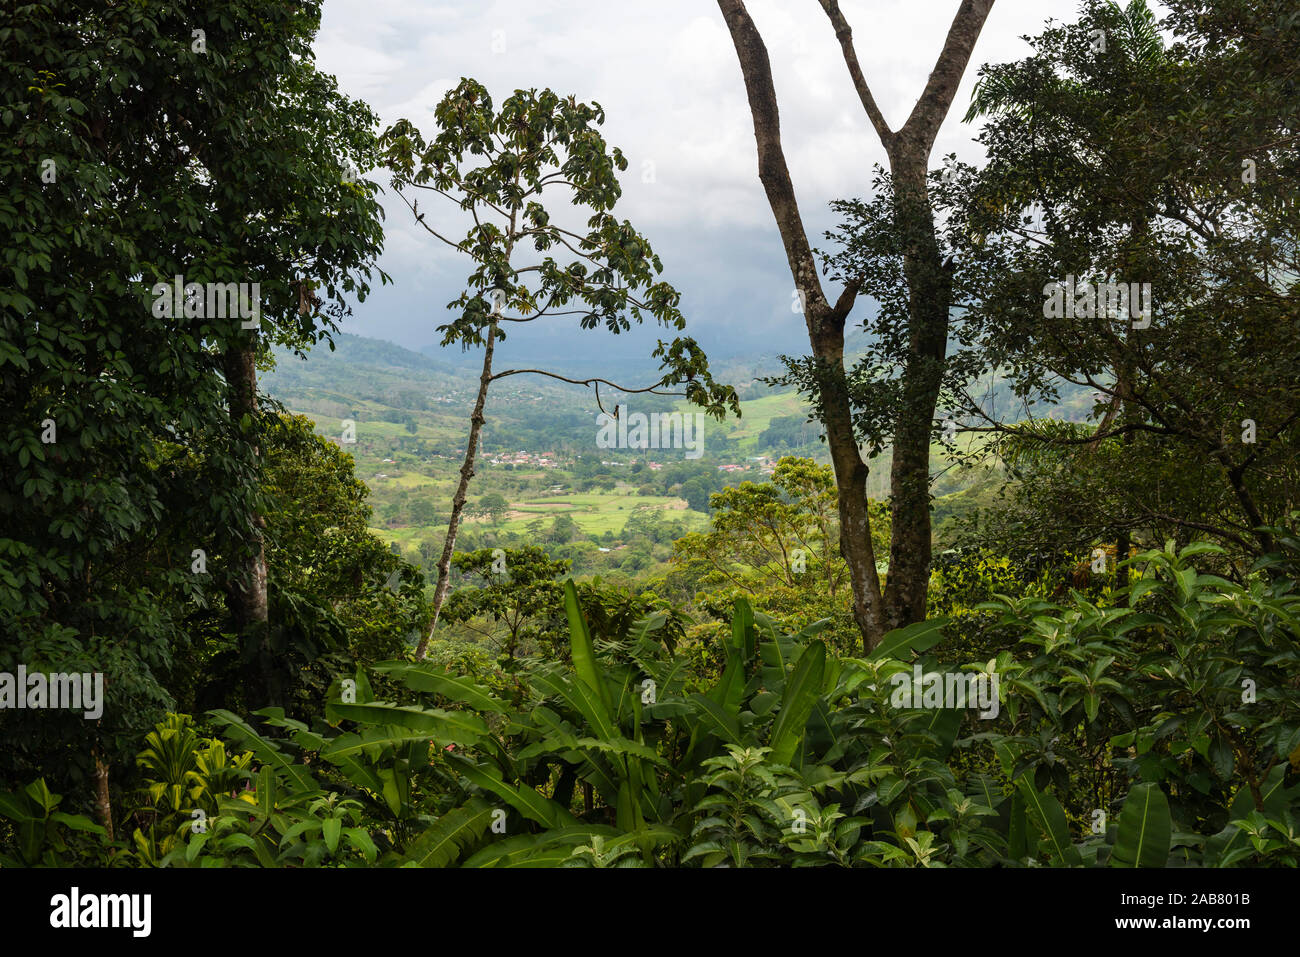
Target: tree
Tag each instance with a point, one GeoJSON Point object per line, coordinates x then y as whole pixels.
{"type": "Point", "coordinates": [422, 512]}
{"type": "Point", "coordinates": [495, 164]}
{"type": "Point", "coordinates": [130, 485]}
{"type": "Point", "coordinates": [786, 432]}
{"type": "Point", "coordinates": [296, 212]}
{"type": "Point", "coordinates": [339, 596]}
{"type": "Point", "coordinates": [823, 374]}
{"type": "Point", "coordinates": [773, 532]}
{"type": "Point", "coordinates": [696, 492]}
{"type": "Point", "coordinates": [563, 530]}
{"type": "Point", "coordinates": [495, 505]}
{"type": "Point", "coordinates": [1197, 405]}
{"type": "Point", "coordinates": [518, 590]}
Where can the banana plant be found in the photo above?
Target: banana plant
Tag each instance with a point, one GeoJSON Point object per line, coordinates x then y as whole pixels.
{"type": "Point", "coordinates": [45, 836]}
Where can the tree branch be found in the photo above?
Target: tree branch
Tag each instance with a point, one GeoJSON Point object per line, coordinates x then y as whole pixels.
{"type": "Point", "coordinates": [772, 169]}
{"type": "Point", "coordinates": [596, 382]}
{"type": "Point", "coordinates": [844, 33]}
{"type": "Point", "coordinates": [930, 110]}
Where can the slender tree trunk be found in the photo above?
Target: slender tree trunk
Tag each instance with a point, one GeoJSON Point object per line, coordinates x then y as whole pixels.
{"type": "Point", "coordinates": [103, 802]}
{"type": "Point", "coordinates": [1124, 386]}
{"type": "Point", "coordinates": [929, 287]}
{"type": "Point", "coordinates": [856, 545]}
{"type": "Point", "coordinates": [1122, 543]}
{"type": "Point", "coordinates": [462, 491]}
{"type": "Point", "coordinates": [929, 295]}
{"type": "Point", "coordinates": [1236, 479]}
{"type": "Point", "coordinates": [825, 324]}
{"type": "Point", "coordinates": [246, 592]}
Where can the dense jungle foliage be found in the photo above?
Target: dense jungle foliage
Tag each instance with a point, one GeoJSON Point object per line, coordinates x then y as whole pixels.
{"type": "Point", "coordinates": [1035, 641]}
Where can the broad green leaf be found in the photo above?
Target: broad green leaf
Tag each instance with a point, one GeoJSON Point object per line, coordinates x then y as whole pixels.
{"type": "Point", "coordinates": [742, 629]}
{"type": "Point", "coordinates": [425, 677]}
{"type": "Point", "coordinates": [917, 637]}
{"type": "Point", "coordinates": [581, 647]}
{"type": "Point", "coordinates": [523, 798]}
{"type": "Point", "coordinates": [444, 842]}
{"type": "Point", "coordinates": [518, 850]}
{"type": "Point", "coordinates": [715, 719]}
{"type": "Point", "coordinates": [1048, 814]}
{"type": "Point", "coordinates": [78, 822]}
{"type": "Point", "coordinates": [1145, 829]}
{"type": "Point", "coordinates": [581, 698]}
{"type": "Point", "coordinates": [266, 751]}
{"type": "Point", "coordinates": [801, 691]}
{"type": "Point", "coordinates": [459, 727]}
{"type": "Point", "coordinates": [368, 740]}
{"type": "Point", "coordinates": [331, 830]}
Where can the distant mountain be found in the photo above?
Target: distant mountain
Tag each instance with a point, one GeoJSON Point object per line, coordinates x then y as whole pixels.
{"type": "Point", "coordinates": [376, 381]}
{"type": "Point", "coordinates": [377, 353]}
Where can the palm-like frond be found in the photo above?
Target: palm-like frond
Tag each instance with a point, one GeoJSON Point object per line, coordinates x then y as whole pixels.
{"type": "Point", "coordinates": [996, 93]}
{"type": "Point", "coordinates": [1141, 40]}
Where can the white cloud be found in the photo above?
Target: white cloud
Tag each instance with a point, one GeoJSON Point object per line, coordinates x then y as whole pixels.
{"type": "Point", "coordinates": [668, 78]}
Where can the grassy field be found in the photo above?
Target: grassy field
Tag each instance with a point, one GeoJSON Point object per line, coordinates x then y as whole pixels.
{"type": "Point", "coordinates": [756, 416]}
{"type": "Point", "coordinates": [373, 433]}
{"type": "Point", "coordinates": [593, 512]}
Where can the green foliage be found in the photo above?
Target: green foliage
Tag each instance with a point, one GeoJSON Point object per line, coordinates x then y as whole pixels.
{"type": "Point", "coordinates": [1144, 715]}
{"type": "Point", "coordinates": [789, 756]}
{"type": "Point", "coordinates": [1192, 432]}
{"type": "Point", "coordinates": [512, 592]}
{"type": "Point", "coordinates": [185, 781]}
{"type": "Point", "coordinates": [44, 836]}
{"type": "Point", "coordinates": [777, 544]}
{"type": "Point", "coordinates": [497, 161]}
{"type": "Point", "coordinates": [129, 158]}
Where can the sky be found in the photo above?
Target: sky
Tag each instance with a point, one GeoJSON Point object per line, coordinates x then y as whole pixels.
{"type": "Point", "coordinates": [668, 78]}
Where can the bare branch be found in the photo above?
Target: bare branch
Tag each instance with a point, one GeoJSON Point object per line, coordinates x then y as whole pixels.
{"type": "Point", "coordinates": [419, 218]}
{"type": "Point", "coordinates": [844, 33]}
{"type": "Point", "coordinates": [930, 110]}
{"type": "Point", "coordinates": [772, 169]}
{"type": "Point", "coordinates": [589, 383]}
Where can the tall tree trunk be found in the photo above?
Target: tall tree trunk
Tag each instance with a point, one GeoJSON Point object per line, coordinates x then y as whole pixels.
{"type": "Point", "coordinates": [1126, 383]}
{"type": "Point", "coordinates": [929, 295]}
{"type": "Point", "coordinates": [462, 491]}
{"type": "Point", "coordinates": [246, 591]}
{"type": "Point", "coordinates": [103, 802]}
{"type": "Point", "coordinates": [1122, 407]}
{"type": "Point", "coordinates": [856, 544]}
{"type": "Point", "coordinates": [929, 287]}
{"type": "Point", "coordinates": [825, 324]}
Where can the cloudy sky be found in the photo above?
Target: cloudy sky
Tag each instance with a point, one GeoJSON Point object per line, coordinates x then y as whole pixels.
{"type": "Point", "coordinates": [667, 75]}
